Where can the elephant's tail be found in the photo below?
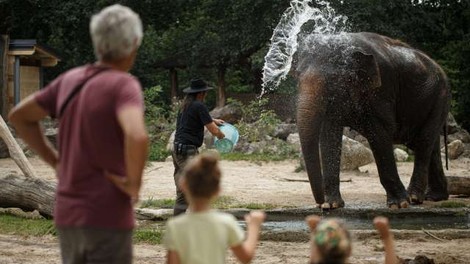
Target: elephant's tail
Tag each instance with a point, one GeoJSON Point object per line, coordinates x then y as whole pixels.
{"type": "Point", "coordinates": [445, 145]}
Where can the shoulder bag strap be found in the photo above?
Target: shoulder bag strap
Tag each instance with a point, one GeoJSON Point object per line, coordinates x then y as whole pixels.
{"type": "Point", "coordinates": [77, 89]}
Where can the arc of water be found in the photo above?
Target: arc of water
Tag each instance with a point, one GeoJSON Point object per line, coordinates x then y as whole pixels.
{"type": "Point", "coordinates": [284, 41]}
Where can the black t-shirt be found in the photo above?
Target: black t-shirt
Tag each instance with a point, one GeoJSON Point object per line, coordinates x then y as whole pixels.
{"type": "Point", "coordinates": [190, 124]}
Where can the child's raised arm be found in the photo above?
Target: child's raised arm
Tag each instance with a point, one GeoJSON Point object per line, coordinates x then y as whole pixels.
{"type": "Point", "coordinates": [312, 222]}
{"type": "Point", "coordinates": [246, 251]}
{"type": "Point", "coordinates": [382, 225]}
{"type": "Point", "coordinates": [172, 257]}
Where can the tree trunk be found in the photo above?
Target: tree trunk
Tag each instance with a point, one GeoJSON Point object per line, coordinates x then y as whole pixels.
{"type": "Point", "coordinates": [174, 84]}
{"type": "Point", "coordinates": [16, 152]}
{"type": "Point", "coordinates": [27, 194]}
{"type": "Point", "coordinates": [221, 98]}
{"type": "Point", "coordinates": [458, 185]}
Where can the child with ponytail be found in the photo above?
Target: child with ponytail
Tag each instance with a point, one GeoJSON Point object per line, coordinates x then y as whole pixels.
{"type": "Point", "coordinates": [203, 234]}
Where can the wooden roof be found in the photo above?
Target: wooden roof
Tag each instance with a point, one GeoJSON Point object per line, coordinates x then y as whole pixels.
{"type": "Point", "coordinates": [30, 47]}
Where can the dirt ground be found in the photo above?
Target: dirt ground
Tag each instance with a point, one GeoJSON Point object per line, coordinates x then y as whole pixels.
{"type": "Point", "coordinates": [273, 183]}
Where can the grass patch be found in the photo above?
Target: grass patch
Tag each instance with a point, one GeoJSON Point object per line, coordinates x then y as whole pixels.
{"type": "Point", "coordinates": [224, 202]}
{"type": "Point", "coordinates": [14, 225]}
{"type": "Point", "coordinates": [150, 236]}
{"type": "Point", "coordinates": [451, 204]}
{"type": "Point", "coordinates": [227, 202]}
{"type": "Point", "coordinates": [257, 206]}
{"type": "Point", "coordinates": [157, 203]}
{"type": "Point", "coordinates": [254, 157]}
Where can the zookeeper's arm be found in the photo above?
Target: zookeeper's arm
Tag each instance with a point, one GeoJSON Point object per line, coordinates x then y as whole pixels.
{"type": "Point", "coordinates": [215, 130]}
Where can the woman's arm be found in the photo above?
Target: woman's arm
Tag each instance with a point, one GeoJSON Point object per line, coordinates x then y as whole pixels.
{"type": "Point", "coordinates": [214, 129]}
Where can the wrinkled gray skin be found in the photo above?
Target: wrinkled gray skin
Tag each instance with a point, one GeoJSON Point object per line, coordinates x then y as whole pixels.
{"type": "Point", "coordinates": [388, 92]}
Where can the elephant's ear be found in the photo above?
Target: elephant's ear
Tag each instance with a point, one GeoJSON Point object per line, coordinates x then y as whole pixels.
{"type": "Point", "coordinates": [367, 68]}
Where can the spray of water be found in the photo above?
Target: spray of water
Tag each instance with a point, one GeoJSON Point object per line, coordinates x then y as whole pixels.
{"type": "Point", "coordinates": [289, 33]}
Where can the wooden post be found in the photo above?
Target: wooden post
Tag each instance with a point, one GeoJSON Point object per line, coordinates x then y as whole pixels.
{"type": "Point", "coordinates": [16, 152]}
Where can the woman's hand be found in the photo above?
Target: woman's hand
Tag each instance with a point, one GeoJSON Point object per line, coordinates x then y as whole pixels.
{"type": "Point", "coordinates": [218, 121]}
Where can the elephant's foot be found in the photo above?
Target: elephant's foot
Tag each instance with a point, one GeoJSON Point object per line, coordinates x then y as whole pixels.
{"type": "Point", "coordinates": [402, 204]}
{"type": "Point", "coordinates": [397, 202]}
{"type": "Point", "coordinates": [416, 196]}
{"type": "Point", "coordinates": [436, 196]}
{"type": "Point", "coordinates": [332, 203]}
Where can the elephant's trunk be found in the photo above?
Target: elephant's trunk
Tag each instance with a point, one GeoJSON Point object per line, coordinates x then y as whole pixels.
{"type": "Point", "coordinates": [310, 114]}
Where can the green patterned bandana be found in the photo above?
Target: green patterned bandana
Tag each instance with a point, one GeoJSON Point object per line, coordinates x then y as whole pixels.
{"type": "Point", "coordinates": [332, 239]}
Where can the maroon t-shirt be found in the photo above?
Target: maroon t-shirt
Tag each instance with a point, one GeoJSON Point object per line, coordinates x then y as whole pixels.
{"type": "Point", "coordinates": [91, 142]}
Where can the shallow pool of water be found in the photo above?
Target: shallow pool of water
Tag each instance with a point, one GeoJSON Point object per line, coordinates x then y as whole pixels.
{"type": "Point", "coordinates": [411, 223]}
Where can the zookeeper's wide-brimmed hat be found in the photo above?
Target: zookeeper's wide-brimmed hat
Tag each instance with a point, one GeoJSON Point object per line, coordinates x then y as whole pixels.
{"type": "Point", "coordinates": [197, 85]}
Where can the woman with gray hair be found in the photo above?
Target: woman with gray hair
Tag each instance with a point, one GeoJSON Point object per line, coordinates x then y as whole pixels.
{"type": "Point", "coordinates": [102, 143]}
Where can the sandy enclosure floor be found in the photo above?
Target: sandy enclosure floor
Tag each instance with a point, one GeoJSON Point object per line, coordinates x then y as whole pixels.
{"type": "Point", "coordinates": [273, 183]}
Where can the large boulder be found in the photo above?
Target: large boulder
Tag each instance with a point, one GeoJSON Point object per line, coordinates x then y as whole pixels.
{"type": "Point", "coordinates": [452, 125]}
{"type": "Point", "coordinates": [461, 135]}
{"type": "Point", "coordinates": [400, 155]}
{"type": "Point", "coordinates": [354, 154]}
{"type": "Point", "coordinates": [282, 131]}
{"type": "Point", "coordinates": [455, 149]}
{"type": "Point", "coordinates": [230, 113]}
{"type": "Point", "coordinates": [294, 139]}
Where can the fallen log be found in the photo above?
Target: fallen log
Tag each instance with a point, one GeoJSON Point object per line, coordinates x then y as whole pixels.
{"type": "Point", "coordinates": [458, 185]}
{"type": "Point", "coordinates": [28, 194]}
{"type": "Point", "coordinates": [16, 152]}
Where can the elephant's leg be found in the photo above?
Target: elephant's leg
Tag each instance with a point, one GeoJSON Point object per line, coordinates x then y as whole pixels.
{"type": "Point", "coordinates": [419, 178]}
{"type": "Point", "coordinates": [437, 182]}
{"type": "Point", "coordinates": [330, 146]}
{"type": "Point", "coordinates": [382, 147]}
{"type": "Point", "coordinates": [427, 164]}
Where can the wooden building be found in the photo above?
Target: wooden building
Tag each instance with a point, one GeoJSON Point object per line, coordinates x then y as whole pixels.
{"type": "Point", "coordinates": [21, 69]}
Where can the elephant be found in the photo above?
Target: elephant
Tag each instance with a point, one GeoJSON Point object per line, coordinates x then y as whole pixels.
{"type": "Point", "coordinates": [386, 90]}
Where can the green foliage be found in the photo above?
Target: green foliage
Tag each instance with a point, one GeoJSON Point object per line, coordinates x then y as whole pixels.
{"type": "Point", "coordinates": [161, 122]}
{"type": "Point", "coordinates": [257, 122]}
{"type": "Point", "coordinates": [157, 150]}
{"type": "Point", "coordinates": [207, 37]}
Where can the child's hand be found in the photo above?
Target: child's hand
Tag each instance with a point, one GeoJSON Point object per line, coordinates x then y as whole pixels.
{"type": "Point", "coordinates": [382, 225]}
{"type": "Point", "coordinates": [312, 221]}
{"type": "Point", "coordinates": [255, 218]}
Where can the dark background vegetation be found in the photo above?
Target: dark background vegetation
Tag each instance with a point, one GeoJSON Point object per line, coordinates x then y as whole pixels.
{"type": "Point", "coordinates": [224, 41]}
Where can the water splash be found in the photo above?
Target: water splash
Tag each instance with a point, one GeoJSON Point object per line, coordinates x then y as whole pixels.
{"type": "Point", "coordinates": [289, 33]}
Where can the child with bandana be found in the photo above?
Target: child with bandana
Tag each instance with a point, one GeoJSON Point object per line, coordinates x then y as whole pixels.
{"type": "Point", "coordinates": [331, 241]}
